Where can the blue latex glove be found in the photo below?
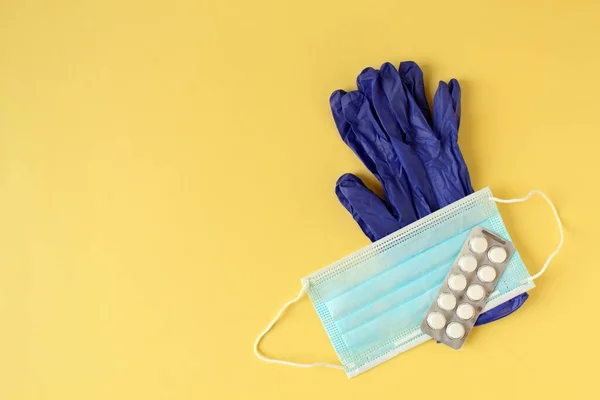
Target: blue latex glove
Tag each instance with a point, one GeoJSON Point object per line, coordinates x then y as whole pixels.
{"type": "Point", "coordinates": [446, 107]}
{"type": "Point", "coordinates": [414, 154]}
{"type": "Point", "coordinates": [405, 123]}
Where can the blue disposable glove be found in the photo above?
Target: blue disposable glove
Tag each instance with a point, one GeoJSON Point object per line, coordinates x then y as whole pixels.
{"type": "Point", "coordinates": [446, 112]}
{"type": "Point", "coordinates": [414, 154]}
{"type": "Point", "coordinates": [405, 123]}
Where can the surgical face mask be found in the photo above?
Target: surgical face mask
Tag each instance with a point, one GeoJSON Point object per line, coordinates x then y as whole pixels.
{"type": "Point", "coordinates": [372, 302]}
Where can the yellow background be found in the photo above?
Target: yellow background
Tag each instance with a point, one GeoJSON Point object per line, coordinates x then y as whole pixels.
{"type": "Point", "coordinates": [167, 174]}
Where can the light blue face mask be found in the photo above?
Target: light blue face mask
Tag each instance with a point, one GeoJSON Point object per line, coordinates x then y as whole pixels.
{"type": "Point", "coordinates": [372, 302]}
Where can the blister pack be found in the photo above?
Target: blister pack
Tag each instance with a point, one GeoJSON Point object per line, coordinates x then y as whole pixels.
{"type": "Point", "coordinates": [467, 287]}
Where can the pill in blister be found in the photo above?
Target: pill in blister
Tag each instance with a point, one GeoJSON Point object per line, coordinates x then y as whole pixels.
{"type": "Point", "coordinates": [497, 254]}
{"type": "Point", "coordinates": [455, 330]}
{"type": "Point", "coordinates": [436, 320]}
{"type": "Point", "coordinates": [465, 311]}
{"type": "Point", "coordinates": [486, 273]}
{"type": "Point", "coordinates": [475, 292]}
{"type": "Point", "coordinates": [467, 263]}
{"type": "Point", "coordinates": [446, 301]}
{"type": "Point", "coordinates": [457, 282]}
{"type": "Point", "coordinates": [478, 244]}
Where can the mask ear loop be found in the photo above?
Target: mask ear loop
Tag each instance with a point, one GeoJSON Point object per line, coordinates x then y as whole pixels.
{"type": "Point", "coordinates": [261, 356]}
{"type": "Point", "coordinates": [558, 221]}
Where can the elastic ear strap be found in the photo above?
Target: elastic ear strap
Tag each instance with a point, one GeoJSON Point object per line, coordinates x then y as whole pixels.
{"type": "Point", "coordinates": [258, 354]}
{"type": "Point", "coordinates": [558, 221]}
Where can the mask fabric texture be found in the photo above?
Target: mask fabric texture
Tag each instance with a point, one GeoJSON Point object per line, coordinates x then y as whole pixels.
{"type": "Point", "coordinates": [372, 302]}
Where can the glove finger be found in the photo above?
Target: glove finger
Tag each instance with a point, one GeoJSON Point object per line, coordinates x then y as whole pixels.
{"type": "Point", "coordinates": [392, 176]}
{"type": "Point", "coordinates": [395, 95]}
{"type": "Point", "coordinates": [370, 83]}
{"type": "Point", "coordinates": [445, 121]}
{"type": "Point", "coordinates": [423, 196]}
{"type": "Point", "coordinates": [455, 93]}
{"type": "Point", "coordinates": [367, 209]}
{"type": "Point", "coordinates": [443, 114]}
{"type": "Point", "coordinates": [502, 310]}
{"type": "Point", "coordinates": [345, 130]}
{"type": "Point", "coordinates": [419, 134]}
{"type": "Point", "coordinates": [364, 81]}
{"type": "Point", "coordinates": [412, 77]}
{"type": "Point", "coordinates": [335, 101]}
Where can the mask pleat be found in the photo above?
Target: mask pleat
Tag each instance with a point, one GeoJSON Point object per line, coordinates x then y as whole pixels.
{"type": "Point", "coordinates": [401, 295]}
{"type": "Point", "coordinates": [405, 317]}
{"type": "Point", "coordinates": [395, 277]}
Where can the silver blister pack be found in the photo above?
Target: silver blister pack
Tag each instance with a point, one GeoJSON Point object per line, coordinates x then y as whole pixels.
{"type": "Point", "coordinates": [467, 287]}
